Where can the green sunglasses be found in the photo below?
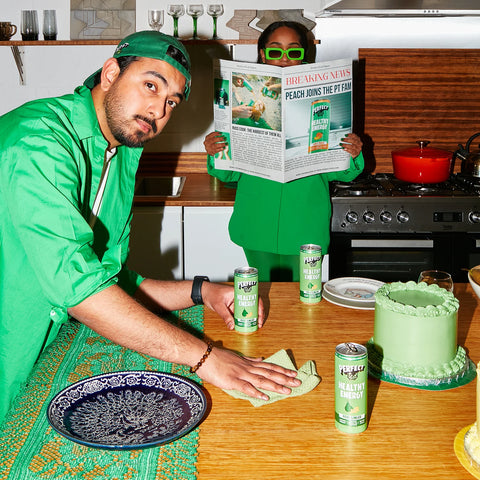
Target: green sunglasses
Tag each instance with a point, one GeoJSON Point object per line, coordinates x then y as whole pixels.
{"type": "Point", "coordinates": [296, 53]}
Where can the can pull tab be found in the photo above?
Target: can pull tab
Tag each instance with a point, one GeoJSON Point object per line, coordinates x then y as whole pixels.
{"type": "Point", "coordinates": [351, 347]}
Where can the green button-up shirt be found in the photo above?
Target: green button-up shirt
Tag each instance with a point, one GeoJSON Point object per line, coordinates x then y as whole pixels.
{"type": "Point", "coordinates": [52, 153]}
{"type": "Point", "coordinates": [278, 217]}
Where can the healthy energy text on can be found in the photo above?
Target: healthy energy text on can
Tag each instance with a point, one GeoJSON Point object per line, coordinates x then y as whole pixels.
{"type": "Point", "coordinates": [246, 299]}
{"type": "Point", "coordinates": [319, 126]}
{"type": "Point", "coordinates": [351, 372]}
{"type": "Point", "coordinates": [310, 273]}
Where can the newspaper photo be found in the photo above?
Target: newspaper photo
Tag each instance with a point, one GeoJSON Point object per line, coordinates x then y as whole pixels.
{"type": "Point", "coordinates": [283, 123]}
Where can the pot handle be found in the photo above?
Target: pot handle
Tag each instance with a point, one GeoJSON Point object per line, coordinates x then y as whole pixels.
{"type": "Point", "coordinates": [470, 140]}
{"type": "Point", "coordinates": [462, 153]}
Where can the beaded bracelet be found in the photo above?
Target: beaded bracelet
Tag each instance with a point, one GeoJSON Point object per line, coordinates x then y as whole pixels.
{"type": "Point", "coordinates": [202, 360]}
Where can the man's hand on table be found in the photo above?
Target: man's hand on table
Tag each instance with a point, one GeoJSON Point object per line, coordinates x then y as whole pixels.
{"type": "Point", "coordinates": [115, 315]}
{"type": "Point", "coordinates": [229, 371]}
{"type": "Point", "coordinates": [220, 299]}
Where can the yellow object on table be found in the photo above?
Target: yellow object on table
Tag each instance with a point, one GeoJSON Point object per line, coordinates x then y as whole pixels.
{"type": "Point", "coordinates": [467, 441]}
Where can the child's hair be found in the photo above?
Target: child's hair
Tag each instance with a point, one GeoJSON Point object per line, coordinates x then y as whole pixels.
{"type": "Point", "coordinates": [298, 27]}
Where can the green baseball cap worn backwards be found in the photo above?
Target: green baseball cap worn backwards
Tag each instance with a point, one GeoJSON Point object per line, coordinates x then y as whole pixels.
{"type": "Point", "coordinates": [153, 44]}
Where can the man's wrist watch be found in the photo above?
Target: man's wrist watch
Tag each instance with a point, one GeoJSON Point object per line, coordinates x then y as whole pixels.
{"type": "Point", "coordinates": [196, 294]}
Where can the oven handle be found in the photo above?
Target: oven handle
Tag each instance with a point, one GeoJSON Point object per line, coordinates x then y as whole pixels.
{"type": "Point", "coordinates": [392, 243]}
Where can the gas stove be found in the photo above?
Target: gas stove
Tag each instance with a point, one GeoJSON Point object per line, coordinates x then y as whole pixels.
{"type": "Point", "coordinates": [381, 203]}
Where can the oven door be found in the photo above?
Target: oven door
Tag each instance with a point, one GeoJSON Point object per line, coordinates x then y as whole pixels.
{"type": "Point", "coordinates": [403, 256]}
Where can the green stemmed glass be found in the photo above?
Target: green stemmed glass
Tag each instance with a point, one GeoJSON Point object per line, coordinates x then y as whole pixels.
{"type": "Point", "coordinates": [215, 10]}
{"type": "Point", "coordinates": [195, 11]}
{"type": "Point", "coordinates": [175, 11]}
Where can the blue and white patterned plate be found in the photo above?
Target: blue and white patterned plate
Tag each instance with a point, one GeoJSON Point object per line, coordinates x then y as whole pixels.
{"type": "Point", "coordinates": [127, 410]}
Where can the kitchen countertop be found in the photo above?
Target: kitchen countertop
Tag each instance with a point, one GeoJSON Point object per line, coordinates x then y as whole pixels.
{"type": "Point", "coordinates": [410, 434]}
{"type": "Point", "coordinates": [199, 190]}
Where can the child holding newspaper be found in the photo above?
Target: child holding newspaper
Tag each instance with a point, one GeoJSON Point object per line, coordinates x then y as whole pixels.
{"type": "Point", "coordinates": [271, 220]}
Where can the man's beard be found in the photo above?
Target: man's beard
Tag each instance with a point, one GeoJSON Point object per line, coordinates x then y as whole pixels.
{"type": "Point", "coordinates": [114, 113]}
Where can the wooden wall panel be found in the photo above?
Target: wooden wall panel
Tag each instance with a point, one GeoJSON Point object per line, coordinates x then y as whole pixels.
{"type": "Point", "coordinates": [404, 95]}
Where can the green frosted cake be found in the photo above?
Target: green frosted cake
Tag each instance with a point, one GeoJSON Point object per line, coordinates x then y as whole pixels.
{"type": "Point", "coordinates": [415, 337]}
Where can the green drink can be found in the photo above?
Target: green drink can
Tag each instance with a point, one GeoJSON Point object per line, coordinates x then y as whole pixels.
{"type": "Point", "coordinates": [319, 126]}
{"type": "Point", "coordinates": [247, 85]}
{"type": "Point", "coordinates": [310, 273]}
{"type": "Point", "coordinates": [246, 299]}
{"type": "Point", "coordinates": [269, 93]}
{"type": "Point", "coordinates": [351, 371]}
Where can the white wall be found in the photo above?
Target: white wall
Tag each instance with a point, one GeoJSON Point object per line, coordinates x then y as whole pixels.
{"type": "Point", "coordinates": [10, 11]}
{"type": "Point", "coordinates": [341, 37]}
{"type": "Point", "coordinates": [56, 70]}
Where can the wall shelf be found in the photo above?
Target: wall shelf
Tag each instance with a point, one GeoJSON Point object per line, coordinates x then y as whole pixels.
{"type": "Point", "coordinates": [17, 47]}
{"type": "Point", "coordinates": [206, 41]}
{"type": "Point", "coordinates": [200, 41]}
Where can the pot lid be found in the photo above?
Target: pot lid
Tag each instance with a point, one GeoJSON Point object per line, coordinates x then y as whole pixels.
{"type": "Point", "coordinates": [423, 151]}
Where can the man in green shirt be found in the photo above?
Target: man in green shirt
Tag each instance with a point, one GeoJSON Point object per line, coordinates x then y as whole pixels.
{"type": "Point", "coordinates": [67, 173]}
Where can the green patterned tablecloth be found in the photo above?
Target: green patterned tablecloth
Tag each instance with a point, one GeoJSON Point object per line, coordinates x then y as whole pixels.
{"type": "Point", "coordinates": [31, 449]}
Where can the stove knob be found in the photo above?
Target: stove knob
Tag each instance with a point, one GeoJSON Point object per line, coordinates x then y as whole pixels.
{"type": "Point", "coordinates": [403, 217]}
{"type": "Point", "coordinates": [474, 217]}
{"type": "Point", "coordinates": [385, 217]}
{"type": "Point", "coordinates": [352, 217]}
{"type": "Point", "coordinates": [368, 217]}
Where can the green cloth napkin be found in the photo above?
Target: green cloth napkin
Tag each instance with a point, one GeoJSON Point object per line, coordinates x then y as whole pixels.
{"type": "Point", "coordinates": [306, 373]}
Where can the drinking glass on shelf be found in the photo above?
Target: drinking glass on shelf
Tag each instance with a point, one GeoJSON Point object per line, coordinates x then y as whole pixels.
{"type": "Point", "coordinates": [29, 25]}
{"type": "Point", "coordinates": [215, 10]}
{"type": "Point", "coordinates": [155, 19]}
{"type": "Point", "coordinates": [442, 279]}
{"type": "Point", "coordinates": [175, 11]}
{"type": "Point", "coordinates": [49, 25]}
{"type": "Point", "coordinates": [195, 10]}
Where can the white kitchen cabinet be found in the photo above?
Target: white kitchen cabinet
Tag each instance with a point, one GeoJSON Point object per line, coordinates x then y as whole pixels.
{"type": "Point", "coordinates": [179, 243]}
{"type": "Point", "coordinates": [156, 242]}
{"type": "Point", "coordinates": [207, 245]}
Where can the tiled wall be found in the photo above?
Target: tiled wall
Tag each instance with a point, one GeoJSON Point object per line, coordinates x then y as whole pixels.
{"type": "Point", "coordinates": [97, 19]}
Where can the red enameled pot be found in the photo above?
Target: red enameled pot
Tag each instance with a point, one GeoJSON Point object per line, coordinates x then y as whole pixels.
{"type": "Point", "coordinates": [422, 164]}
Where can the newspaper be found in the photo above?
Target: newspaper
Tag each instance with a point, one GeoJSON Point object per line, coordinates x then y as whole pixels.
{"type": "Point", "coordinates": [283, 123]}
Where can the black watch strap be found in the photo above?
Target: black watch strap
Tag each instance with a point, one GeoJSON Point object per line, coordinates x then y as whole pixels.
{"type": "Point", "coordinates": [197, 289]}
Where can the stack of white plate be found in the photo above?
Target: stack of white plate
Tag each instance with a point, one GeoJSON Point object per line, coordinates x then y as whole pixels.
{"type": "Point", "coordinates": [352, 292]}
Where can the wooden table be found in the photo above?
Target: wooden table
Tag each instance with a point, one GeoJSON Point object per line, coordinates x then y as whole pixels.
{"type": "Point", "coordinates": [410, 433]}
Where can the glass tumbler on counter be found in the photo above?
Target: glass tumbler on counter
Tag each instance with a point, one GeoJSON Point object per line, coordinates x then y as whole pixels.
{"type": "Point", "coordinates": [442, 279]}
{"type": "Point", "coordinates": [155, 19]}
{"type": "Point", "coordinates": [49, 25]}
{"type": "Point", "coordinates": [29, 25]}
